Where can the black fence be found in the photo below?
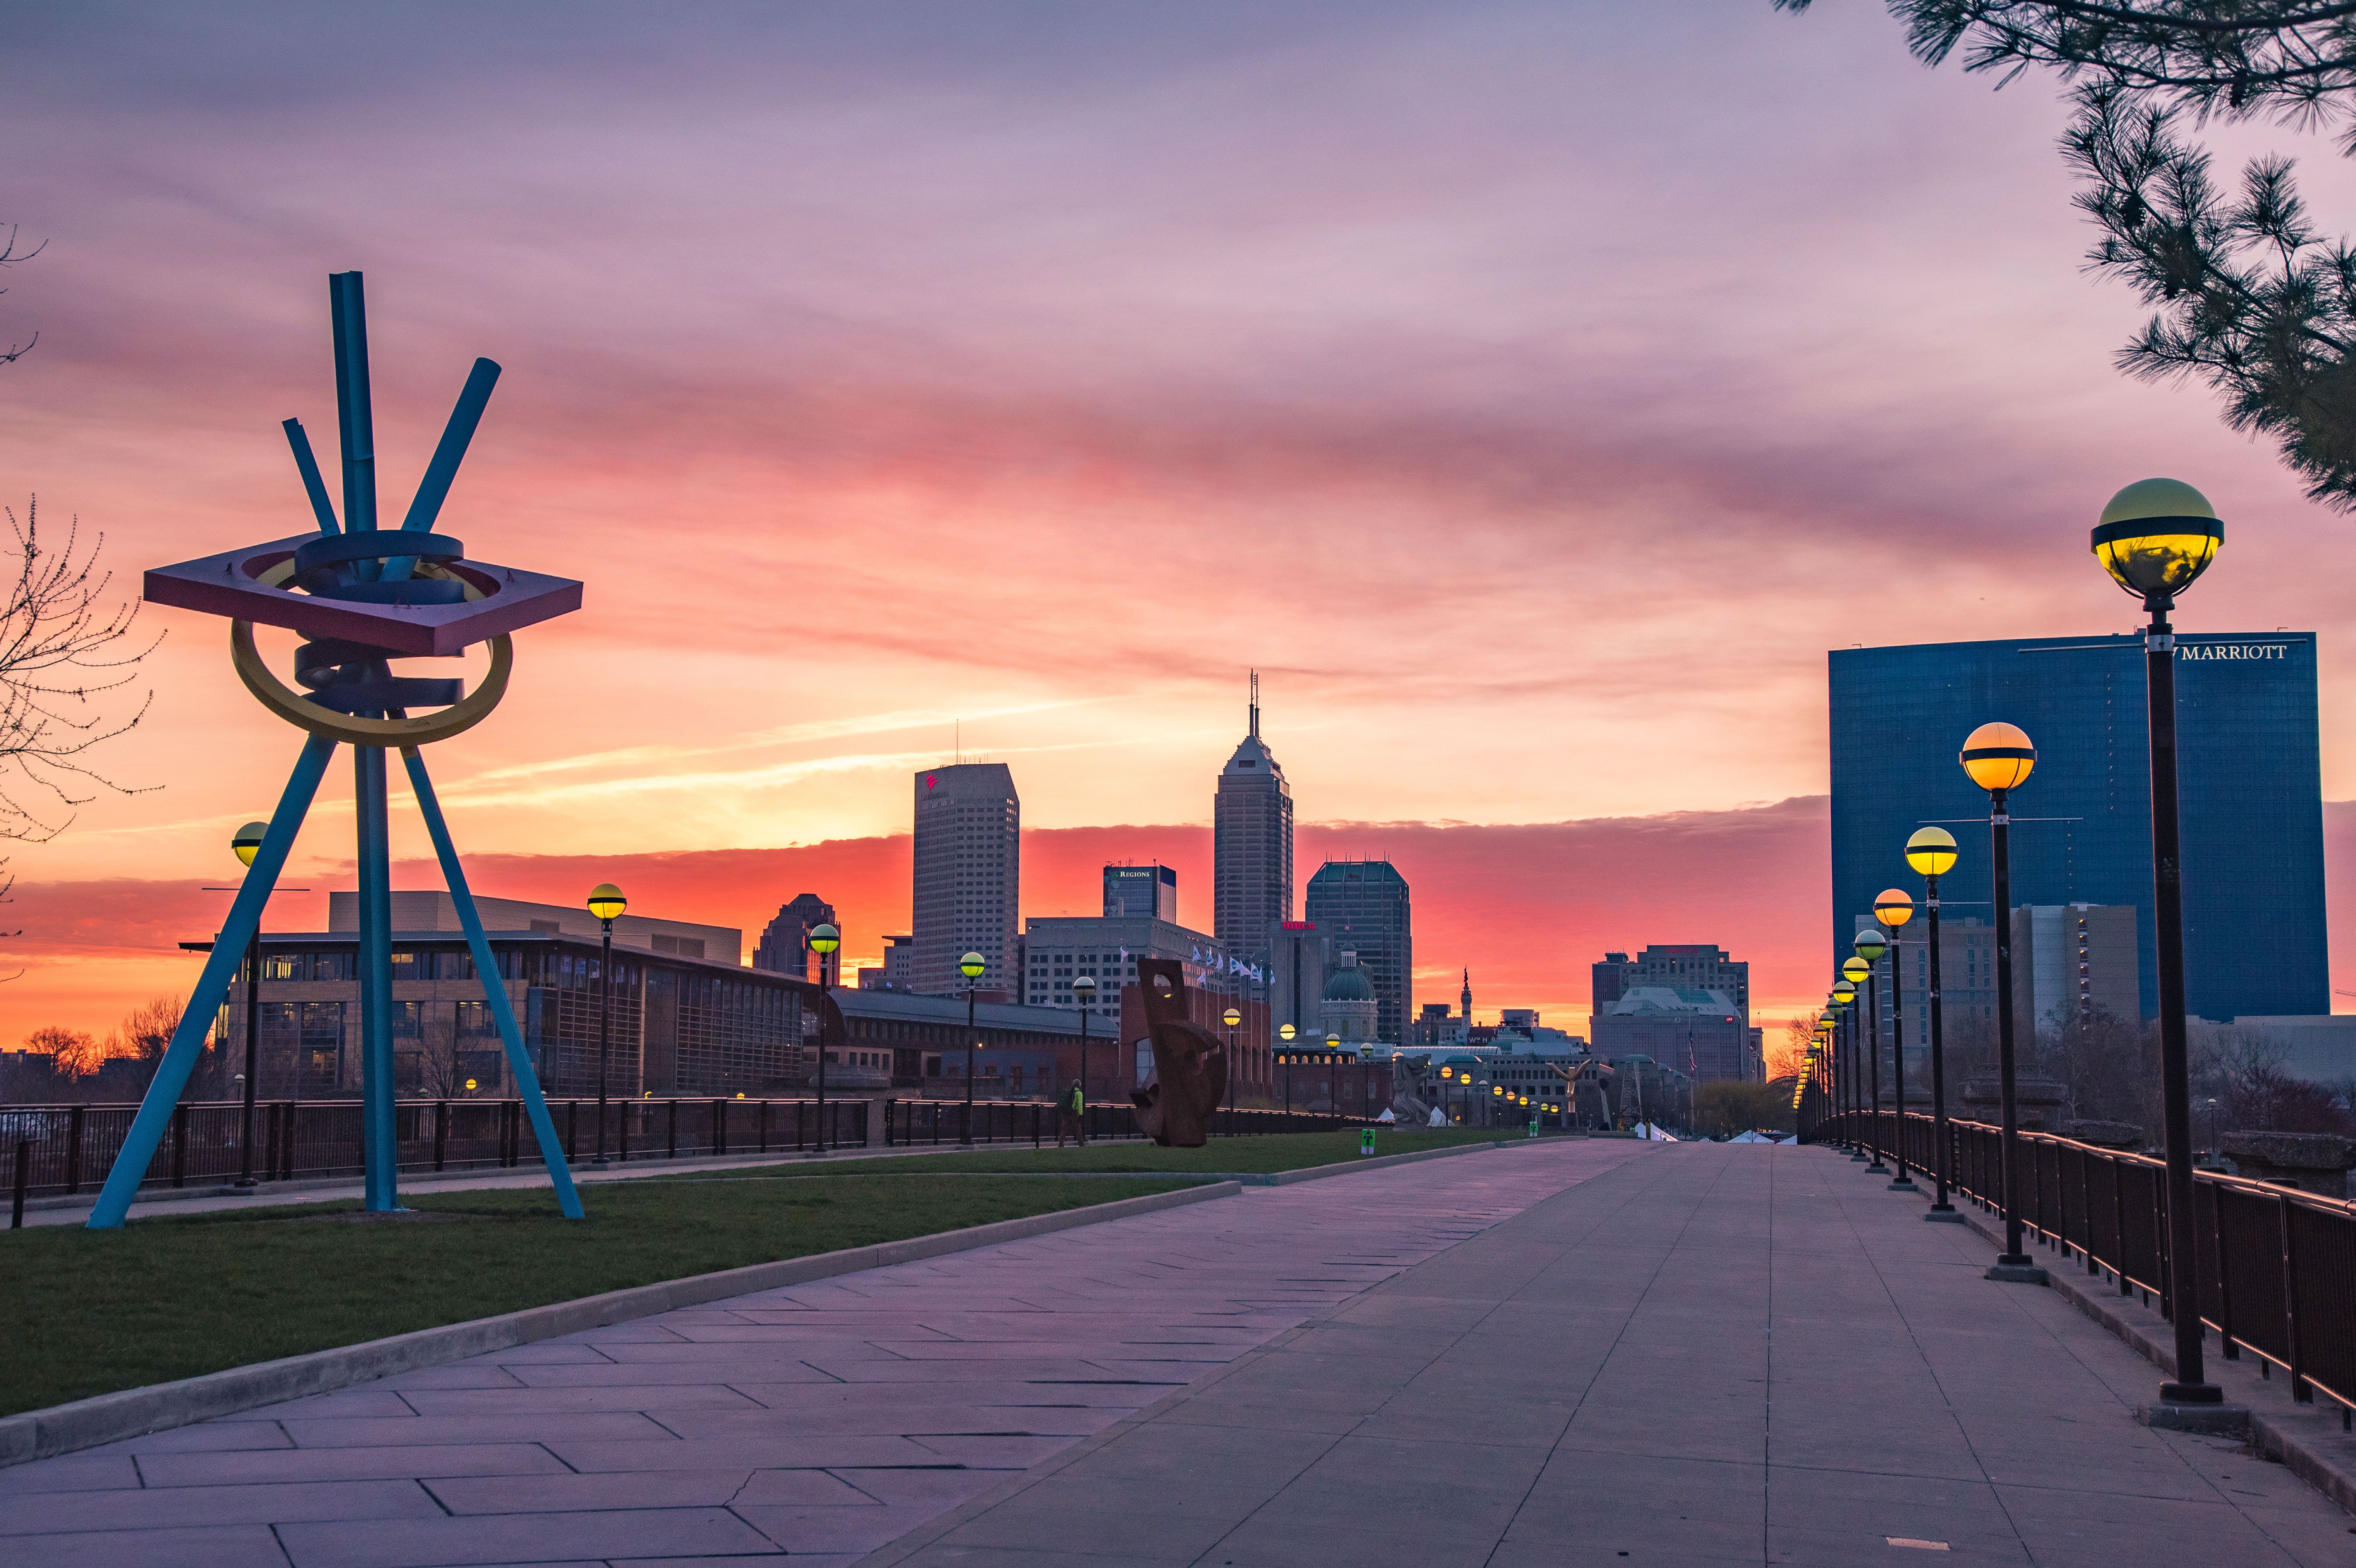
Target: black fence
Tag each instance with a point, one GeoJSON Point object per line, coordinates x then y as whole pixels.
{"type": "Point", "coordinates": [74, 1146]}
{"type": "Point", "coordinates": [908, 1122]}
{"type": "Point", "coordinates": [2274, 1269]}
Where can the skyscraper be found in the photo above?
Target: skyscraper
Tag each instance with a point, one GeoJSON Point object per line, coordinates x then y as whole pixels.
{"type": "Point", "coordinates": [1251, 846]}
{"type": "Point", "coordinates": [785, 944]}
{"type": "Point", "coordinates": [969, 877]}
{"type": "Point", "coordinates": [1362, 905]}
{"type": "Point", "coordinates": [2248, 772]}
{"type": "Point", "coordinates": [1690, 965]}
{"type": "Point", "coordinates": [1149, 891]}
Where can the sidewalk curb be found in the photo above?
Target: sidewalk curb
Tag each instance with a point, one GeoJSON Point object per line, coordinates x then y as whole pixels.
{"type": "Point", "coordinates": [133, 1413]}
{"type": "Point", "coordinates": [529, 1176]}
{"type": "Point", "coordinates": [2302, 1436]}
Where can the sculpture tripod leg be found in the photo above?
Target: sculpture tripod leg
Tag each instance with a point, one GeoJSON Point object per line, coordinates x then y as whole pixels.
{"type": "Point", "coordinates": [494, 990]}
{"type": "Point", "coordinates": [244, 921]}
{"type": "Point", "coordinates": [147, 1128]}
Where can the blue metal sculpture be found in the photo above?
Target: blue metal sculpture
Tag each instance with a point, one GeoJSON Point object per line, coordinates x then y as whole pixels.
{"type": "Point", "coordinates": [362, 596]}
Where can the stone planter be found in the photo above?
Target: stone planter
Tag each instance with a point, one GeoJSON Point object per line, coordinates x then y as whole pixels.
{"type": "Point", "coordinates": [849, 1083]}
{"type": "Point", "coordinates": [2035, 1100]}
{"type": "Point", "coordinates": [2312, 1162]}
{"type": "Point", "coordinates": [2105, 1135]}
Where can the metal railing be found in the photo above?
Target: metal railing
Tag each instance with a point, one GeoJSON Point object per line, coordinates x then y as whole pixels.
{"type": "Point", "coordinates": [2274, 1269]}
{"type": "Point", "coordinates": [72, 1147]}
{"type": "Point", "coordinates": [910, 1123]}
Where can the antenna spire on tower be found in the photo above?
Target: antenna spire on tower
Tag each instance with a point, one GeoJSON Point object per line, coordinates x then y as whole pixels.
{"type": "Point", "coordinates": [1255, 705]}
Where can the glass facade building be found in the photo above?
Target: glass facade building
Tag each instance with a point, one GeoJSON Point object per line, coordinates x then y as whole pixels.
{"type": "Point", "coordinates": [1362, 907]}
{"type": "Point", "coordinates": [681, 1026]}
{"type": "Point", "coordinates": [2249, 772]}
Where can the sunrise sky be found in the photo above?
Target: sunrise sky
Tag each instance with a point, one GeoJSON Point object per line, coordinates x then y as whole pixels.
{"type": "Point", "coordinates": [1533, 393]}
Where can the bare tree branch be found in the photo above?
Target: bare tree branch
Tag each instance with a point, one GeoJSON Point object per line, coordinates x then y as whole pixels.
{"type": "Point", "coordinates": [61, 648]}
{"type": "Point", "coordinates": [9, 256]}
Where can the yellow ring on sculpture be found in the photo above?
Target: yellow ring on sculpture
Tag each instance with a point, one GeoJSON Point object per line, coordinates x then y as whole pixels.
{"type": "Point", "coordinates": [352, 731]}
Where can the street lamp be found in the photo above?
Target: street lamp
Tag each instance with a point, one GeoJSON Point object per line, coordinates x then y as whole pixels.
{"type": "Point", "coordinates": [2154, 539]}
{"type": "Point", "coordinates": [1083, 990]}
{"type": "Point", "coordinates": [970, 966]}
{"type": "Point", "coordinates": [1893, 908]}
{"type": "Point", "coordinates": [823, 940]}
{"type": "Point", "coordinates": [246, 843]}
{"type": "Point", "coordinates": [1286, 1034]}
{"type": "Point", "coordinates": [1854, 970]}
{"type": "Point", "coordinates": [1931, 851]}
{"type": "Point", "coordinates": [1871, 945]}
{"type": "Point", "coordinates": [1836, 1035]}
{"type": "Point", "coordinates": [1999, 758]}
{"type": "Point", "coordinates": [605, 901]}
{"type": "Point", "coordinates": [1232, 1017]}
{"type": "Point", "coordinates": [1333, 1088]}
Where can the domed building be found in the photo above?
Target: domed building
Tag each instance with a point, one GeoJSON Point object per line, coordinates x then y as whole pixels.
{"type": "Point", "coordinates": [1349, 1005]}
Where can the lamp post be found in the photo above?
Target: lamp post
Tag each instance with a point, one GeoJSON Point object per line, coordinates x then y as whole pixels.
{"type": "Point", "coordinates": [1821, 1064]}
{"type": "Point", "coordinates": [1871, 945]}
{"type": "Point", "coordinates": [1999, 758]}
{"type": "Point", "coordinates": [1333, 1054]}
{"type": "Point", "coordinates": [970, 966]}
{"type": "Point", "coordinates": [2154, 539]}
{"type": "Point", "coordinates": [1852, 1069]}
{"type": "Point", "coordinates": [1836, 1043]}
{"type": "Point", "coordinates": [1931, 851]}
{"type": "Point", "coordinates": [1231, 1018]}
{"type": "Point", "coordinates": [1083, 990]}
{"type": "Point", "coordinates": [1286, 1034]}
{"type": "Point", "coordinates": [1836, 1066]}
{"type": "Point", "coordinates": [605, 901]}
{"type": "Point", "coordinates": [1893, 908]}
{"type": "Point", "coordinates": [823, 940]}
{"type": "Point", "coordinates": [245, 843]}
{"type": "Point", "coordinates": [1856, 971]}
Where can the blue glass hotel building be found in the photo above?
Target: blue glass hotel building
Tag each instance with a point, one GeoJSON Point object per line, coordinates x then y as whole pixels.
{"type": "Point", "coordinates": [2248, 768]}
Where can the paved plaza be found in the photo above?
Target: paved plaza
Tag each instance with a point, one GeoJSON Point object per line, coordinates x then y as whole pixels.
{"type": "Point", "coordinates": [1583, 1352]}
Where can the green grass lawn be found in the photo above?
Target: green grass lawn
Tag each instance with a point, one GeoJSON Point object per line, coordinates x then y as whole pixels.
{"type": "Point", "coordinates": [87, 1312]}
{"type": "Point", "coordinates": [1263, 1156]}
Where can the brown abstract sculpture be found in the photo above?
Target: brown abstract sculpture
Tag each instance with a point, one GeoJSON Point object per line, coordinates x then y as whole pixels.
{"type": "Point", "coordinates": [1190, 1062]}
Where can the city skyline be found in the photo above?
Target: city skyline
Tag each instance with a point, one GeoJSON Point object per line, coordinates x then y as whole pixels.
{"type": "Point", "coordinates": [1372, 390]}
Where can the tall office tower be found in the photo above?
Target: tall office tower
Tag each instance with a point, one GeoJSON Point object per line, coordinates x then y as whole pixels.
{"type": "Point", "coordinates": [1692, 965]}
{"type": "Point", "coordinates": [898, 970]}
{"type": "Point", "coordinates": [1695, 965]}
{"type": "Point", "coordinates": [1362, 905]}
{"type": "Point", "coordinates": [968, 878]}
{"type": "Point", "coordinates": [784, 943]}
{"type": "Point", "coordinates": [1609, 981]}
{"type": "Point", "coordinates": [1141, 892]}
{"type": "Point", "coordinates": [1251, 848]}
{"type": "Point", "coordinates": [1300, 958]}
{"type": "Point", "coordinates": [2070, 962]}
{"type": "Point", "coordinates": [2249, 776]}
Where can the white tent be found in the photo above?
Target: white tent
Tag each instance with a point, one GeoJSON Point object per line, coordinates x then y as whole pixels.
{"type": "Point", "coordinates": [1750, 1137]}
{"type": "Point", "coordinates": [1647, 1130]}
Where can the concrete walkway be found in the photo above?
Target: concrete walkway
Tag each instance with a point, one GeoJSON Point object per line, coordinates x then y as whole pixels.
{"type": "Point", "coordinates": [1713, 1354]}
{"type": "Point", "coordinates": [822, 1420]}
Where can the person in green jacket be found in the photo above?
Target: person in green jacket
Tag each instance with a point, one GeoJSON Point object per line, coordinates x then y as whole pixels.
{"type": "Point", "coordinates": [1071, 1119]}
